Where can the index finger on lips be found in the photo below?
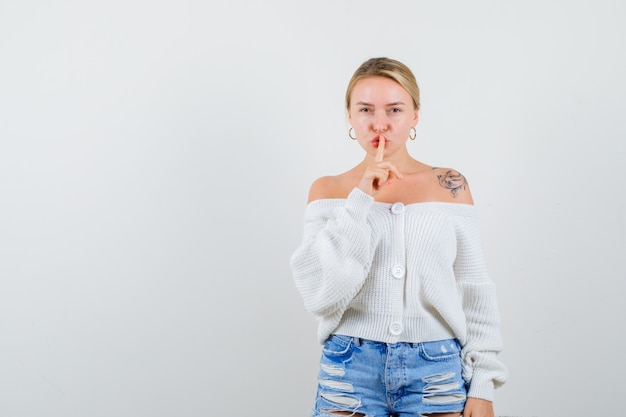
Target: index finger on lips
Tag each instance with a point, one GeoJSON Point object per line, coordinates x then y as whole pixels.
{"type": "Point", "coordinates": [381, 149]}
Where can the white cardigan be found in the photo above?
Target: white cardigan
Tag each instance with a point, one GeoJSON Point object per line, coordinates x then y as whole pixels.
{"type": "Point", "coordinates": [402, 273]}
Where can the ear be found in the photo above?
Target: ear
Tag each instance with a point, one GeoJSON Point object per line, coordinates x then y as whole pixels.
{"type": "Point", "coordinates": [416, 117]}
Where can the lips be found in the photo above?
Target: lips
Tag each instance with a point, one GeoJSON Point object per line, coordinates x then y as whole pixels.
{"type": "Point", "coordinates": [376, 141]}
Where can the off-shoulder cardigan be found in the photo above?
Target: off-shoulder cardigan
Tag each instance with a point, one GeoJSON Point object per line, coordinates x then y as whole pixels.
{"type": "Point", "coordinates": [402, 273]}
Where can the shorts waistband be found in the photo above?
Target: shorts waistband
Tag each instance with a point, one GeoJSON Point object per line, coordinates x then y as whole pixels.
{"type": "Point", "coordinates": [358, 341]}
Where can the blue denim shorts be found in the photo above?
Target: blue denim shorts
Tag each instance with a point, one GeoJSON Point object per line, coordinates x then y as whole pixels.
{"type": "Point", "coordinates": [380, 379]}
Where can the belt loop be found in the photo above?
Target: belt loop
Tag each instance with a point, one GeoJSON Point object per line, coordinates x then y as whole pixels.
{"type": "Point", "coordinates": [356, 341]}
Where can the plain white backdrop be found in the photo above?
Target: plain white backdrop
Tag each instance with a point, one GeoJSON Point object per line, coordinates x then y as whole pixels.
{"type": "Point", "coordinates": [155, 158]}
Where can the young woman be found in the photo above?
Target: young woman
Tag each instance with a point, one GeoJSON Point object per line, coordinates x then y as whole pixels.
{"type": "Point", "coordinates": [391, 266]}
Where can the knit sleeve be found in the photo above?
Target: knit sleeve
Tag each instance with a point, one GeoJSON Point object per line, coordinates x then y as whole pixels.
{"type": "Point", "coordinates": [334, 258]}
{"type": "Point", "coordinates": [483, 340]}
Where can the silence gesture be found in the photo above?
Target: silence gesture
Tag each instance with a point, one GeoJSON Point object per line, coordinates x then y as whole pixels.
{"type": "Point", "coordinates": [377, 174]}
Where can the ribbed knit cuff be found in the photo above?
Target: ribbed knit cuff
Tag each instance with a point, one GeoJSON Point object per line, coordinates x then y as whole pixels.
{"type": "Point", "coordinates": [481, 387]}
{"type": "Point", "coordinates": [359, 203]}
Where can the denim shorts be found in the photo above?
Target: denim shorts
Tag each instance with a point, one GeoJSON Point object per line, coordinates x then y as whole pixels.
{"type": "Point", "coordinates": [377, 379]}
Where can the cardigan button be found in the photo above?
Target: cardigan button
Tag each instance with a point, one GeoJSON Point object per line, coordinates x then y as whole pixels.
{"type": "Point", "coordinates": [397, 271]}
{"type": "Point", "coordinates": [395, 328]}
{"type": "Point", "coordinates": [397, 208]}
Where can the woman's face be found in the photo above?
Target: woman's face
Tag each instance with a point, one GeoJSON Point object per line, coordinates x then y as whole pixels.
{"type": "Point", "coordinates": [381, 106]}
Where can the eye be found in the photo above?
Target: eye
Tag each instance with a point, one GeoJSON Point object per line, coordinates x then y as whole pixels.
{"type": "Point", "coordinates": [396, 110]}
{"type": "Point", "coordinates": [364, 110]}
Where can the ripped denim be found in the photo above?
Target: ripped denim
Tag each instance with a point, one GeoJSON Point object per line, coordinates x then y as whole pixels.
{"type": "Point", "coordinates": [366, 378]}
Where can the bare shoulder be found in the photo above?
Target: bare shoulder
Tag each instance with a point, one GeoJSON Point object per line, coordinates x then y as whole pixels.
{"type": "Point", "coordinates": [337, 186]}
{"type": "Point", "coordinates": [452, 186]}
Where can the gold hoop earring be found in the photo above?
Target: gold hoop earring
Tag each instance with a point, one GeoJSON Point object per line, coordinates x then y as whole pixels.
{"type": "Point", "coordinates": [350, 131]}
{"type": "Point", "coordinates": [412, 133]}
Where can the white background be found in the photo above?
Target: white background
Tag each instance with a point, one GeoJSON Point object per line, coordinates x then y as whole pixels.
{"type": "Point", "coordinates": [155, 158]}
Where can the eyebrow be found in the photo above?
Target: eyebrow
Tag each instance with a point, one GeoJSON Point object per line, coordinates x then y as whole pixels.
{"type": "Point", "coordinates": [397, 103]}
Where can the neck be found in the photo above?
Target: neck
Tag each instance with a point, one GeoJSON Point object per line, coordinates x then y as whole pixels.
{"type": "Point", "coordinates": [401, 159]}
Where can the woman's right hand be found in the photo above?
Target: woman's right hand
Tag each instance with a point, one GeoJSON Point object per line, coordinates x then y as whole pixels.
{"type": "Point", "coordinates": [378, 174]}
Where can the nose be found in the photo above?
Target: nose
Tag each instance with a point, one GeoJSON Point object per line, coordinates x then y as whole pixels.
{"type": "Point", "coordinates": [380, 124]}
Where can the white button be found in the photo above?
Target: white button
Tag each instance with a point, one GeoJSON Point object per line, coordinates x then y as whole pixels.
{"type": "Point", "coordinates": [397, 271]}
{"type": "Point", "coordinates": [397, 208]}
{"type": "Point", "coordinates": [395, 328]}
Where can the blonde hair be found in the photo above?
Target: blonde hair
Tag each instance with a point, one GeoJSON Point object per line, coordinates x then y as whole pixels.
{"type": "Point", "coordinates": [388, 68]}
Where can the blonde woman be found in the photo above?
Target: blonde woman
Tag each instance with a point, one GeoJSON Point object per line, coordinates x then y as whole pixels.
{"type": "Point", "coordinates": [391, 266]}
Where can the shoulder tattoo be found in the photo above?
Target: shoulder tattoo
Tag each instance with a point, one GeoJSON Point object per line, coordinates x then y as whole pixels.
{"type": "Point", "coordinates": [453, 181]}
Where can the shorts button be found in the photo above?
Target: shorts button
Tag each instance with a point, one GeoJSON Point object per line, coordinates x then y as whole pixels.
{"type": "Point", "coordinates": [397, 271]}
{"type": "Point", "coordinates": [395, 328]}
{"type": "Point", "coordinates": [397, 208]}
